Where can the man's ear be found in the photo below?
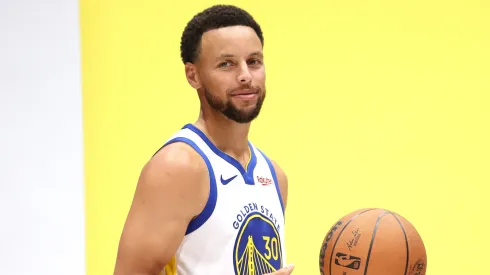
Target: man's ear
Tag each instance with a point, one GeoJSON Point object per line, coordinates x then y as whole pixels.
{"type": "Point", "coordinates": [192, 76]}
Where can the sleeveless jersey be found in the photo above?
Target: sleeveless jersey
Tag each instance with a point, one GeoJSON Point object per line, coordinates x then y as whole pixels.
{"type": "Point", "coordinates": [241, 229]}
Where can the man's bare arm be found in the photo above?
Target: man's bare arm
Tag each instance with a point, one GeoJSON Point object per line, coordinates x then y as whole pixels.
{"type": "Point", "coordinates": [283, 183]}
{"type": "Point", "coordinates": [172, 189]}
{"type": "Point", "coordinates": [282, 180]}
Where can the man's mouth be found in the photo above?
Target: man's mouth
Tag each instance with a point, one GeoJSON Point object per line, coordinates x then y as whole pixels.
{"type": "Point", "coordinates": [245, 94]}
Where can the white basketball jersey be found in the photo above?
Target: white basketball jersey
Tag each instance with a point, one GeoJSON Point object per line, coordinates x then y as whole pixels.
{"type": "Point", "coordinates": [241, 229]}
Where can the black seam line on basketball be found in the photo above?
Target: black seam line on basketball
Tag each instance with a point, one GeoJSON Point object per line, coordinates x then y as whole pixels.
{"type": "Point", "coordinates": [340, 234]}
{"type": "Point", "coordinates": [372, 241]}
{"type": "Point", "coordinates": [406, 242]}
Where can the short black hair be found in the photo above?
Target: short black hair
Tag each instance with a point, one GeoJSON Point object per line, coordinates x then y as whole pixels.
{"type": "Point", "coordinates": [214, 17]}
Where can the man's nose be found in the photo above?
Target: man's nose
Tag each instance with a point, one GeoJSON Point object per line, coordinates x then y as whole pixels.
{"type": "Point", "coordinates": [244, 76]}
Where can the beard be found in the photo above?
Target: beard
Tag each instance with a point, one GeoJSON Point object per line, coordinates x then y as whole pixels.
{"type": "Point", "coordinates": [229, 110]}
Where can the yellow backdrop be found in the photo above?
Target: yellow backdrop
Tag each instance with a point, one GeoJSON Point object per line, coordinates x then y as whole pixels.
{"type": "Point", "coordinates": [370, 104]}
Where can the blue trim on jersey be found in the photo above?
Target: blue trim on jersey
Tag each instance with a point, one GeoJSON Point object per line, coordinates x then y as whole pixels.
{"type": "Point", "coordinates": [247, 175]}
{"type": "Point", "coordinates": [274, 176]}
{"type": "Point", "coordinates": [213, 194]}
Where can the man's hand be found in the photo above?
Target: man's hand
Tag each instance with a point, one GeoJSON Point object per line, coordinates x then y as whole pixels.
{"type": "Point", "coordinates": [284, 271]}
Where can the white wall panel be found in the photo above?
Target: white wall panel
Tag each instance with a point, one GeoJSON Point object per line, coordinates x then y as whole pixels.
{"type": "Point", "coordinates": [41, 139]}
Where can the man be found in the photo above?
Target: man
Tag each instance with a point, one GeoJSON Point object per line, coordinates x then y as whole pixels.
{"type": "Point", "coordinates": [209, 202]}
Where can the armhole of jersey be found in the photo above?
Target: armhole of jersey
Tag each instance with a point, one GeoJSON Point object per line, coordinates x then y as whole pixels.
{"type": "Point", "coordinates": [274, 177]}
{"type": "Point", "coordinates": [170, 268]}
{"type": "Point", "coordinates": [200, 219]}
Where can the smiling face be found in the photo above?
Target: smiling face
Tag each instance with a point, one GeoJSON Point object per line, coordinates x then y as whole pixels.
{"type": "Point", "coordinates": [230, 72]}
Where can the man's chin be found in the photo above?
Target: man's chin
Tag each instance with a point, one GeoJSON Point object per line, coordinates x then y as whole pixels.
{"type": "Point", "coordinates": [243, 117]}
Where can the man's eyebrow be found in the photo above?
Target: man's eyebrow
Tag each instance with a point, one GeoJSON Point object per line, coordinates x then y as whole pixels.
{"type": "Point", "coordinates": [258, 53]}
{"type": "Point", "coordinates": [228, 55]}
{"type": "Point", "coordinates": [225, 55]}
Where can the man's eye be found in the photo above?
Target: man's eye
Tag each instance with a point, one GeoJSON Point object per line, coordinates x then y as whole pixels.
{"type": "Point", "coordinates": [224, 64]}
{"type": "Point", "coordinates": [254, 62]}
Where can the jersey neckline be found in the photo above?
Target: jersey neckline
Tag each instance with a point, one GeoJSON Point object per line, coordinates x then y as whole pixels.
{"type": "Point", "coordinates": [246, 174]}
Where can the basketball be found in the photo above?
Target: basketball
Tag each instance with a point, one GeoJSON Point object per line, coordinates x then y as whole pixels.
{"type": "Point", "coordinates": [373, 241]}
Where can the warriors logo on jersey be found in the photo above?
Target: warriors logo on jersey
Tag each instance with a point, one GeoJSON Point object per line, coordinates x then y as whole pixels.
{"type": "Point", "coordinates": [257, 248]}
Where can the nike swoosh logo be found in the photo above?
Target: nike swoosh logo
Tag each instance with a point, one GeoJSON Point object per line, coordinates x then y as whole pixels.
{"type": "Point", "coordinates": [226, 181]}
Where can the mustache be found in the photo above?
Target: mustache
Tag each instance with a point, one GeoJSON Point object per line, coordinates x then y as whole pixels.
{"type": "Point", "coordinates": [253, 89]}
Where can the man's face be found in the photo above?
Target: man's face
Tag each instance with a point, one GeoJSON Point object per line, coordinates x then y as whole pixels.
{"type": "Point", "coordinates": [231, 72]}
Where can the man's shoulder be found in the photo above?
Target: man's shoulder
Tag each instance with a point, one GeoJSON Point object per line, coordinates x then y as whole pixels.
{"type": "Point", "coordinates": [179, 154]}
{"type": "Point", "coordinates": [176, 160]}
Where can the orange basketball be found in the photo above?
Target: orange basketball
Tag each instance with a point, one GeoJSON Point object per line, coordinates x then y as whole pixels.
{"type": "Point", "coordinates": [373, 242]}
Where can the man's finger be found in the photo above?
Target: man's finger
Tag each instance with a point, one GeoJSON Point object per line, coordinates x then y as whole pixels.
{"type": "Point", "coordinates": [284, 271]}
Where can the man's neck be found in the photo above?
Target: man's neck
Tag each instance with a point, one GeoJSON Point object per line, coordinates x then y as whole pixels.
{"type": "Point", "coordinates": [229, 136]}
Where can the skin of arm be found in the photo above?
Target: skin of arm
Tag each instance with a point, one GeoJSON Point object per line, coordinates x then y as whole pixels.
{"type": "Point", "coordinates": [282, 180]}
{"type": "Point", "coordinates": [172, 189]}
